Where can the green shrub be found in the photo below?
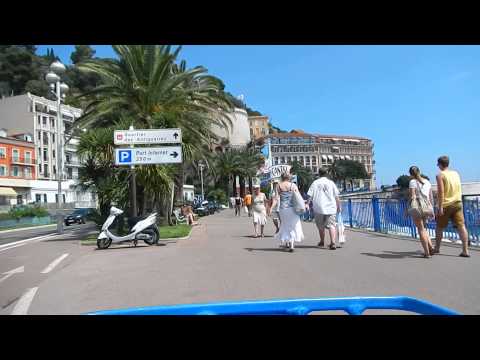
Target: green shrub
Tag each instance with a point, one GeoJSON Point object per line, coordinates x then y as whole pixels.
{"type": "Point", "coordinates": [218, 195]}
{"type": "Point", "coordinates": [18, 212]}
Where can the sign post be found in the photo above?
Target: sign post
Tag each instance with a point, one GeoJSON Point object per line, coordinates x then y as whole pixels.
{"type": "Point", "coordinates": [132, 156]}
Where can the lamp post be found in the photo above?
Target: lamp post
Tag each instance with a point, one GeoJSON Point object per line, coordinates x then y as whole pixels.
{"type": "Point", "coordinates": [201, 166]}
{"type": "Point", "coordinates": [59, 89]}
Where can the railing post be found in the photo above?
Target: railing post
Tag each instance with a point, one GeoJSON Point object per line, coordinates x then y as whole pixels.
{"type": "Point", "coordinates": [350, 212]}
{"type": "Point", "coordinates": [376, 214]}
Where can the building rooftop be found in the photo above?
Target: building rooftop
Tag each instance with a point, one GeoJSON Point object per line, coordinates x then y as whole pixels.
{"type": "Point", "coordinates": [300, 133]}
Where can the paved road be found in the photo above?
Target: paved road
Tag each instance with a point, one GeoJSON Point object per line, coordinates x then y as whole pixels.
{"type": "Point", "coordinates": [16, 235]}
{"type": "Point", "coordinates": [221, 263]}
{"type": "Point", "coordinates": [24, 267]}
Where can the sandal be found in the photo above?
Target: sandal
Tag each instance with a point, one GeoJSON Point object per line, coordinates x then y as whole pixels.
{"type": "Point", "coordinates": [321, 244]}
{"type": "Point", "coordinates": [427, 256]}
{"type": "Point", "coordinates": [290, 250]}
{"type": "Point", "coordinates": [332, 247]}
{"type": "Point", "coordinates": [464, 255]}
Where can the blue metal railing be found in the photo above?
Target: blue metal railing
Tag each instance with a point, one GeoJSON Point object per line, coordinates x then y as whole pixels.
{"type": "Point", "coordinates": [389, 216]}
{"type": "Point", "coordinates": [350, 305]}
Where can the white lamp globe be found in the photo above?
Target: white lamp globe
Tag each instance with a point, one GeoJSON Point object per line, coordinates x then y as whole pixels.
{"type": "Point", "coordinates": [52, 78]}
{"type": "Point", "coordinates": [64, 88]}
{"type": "Point", "coordinates": [58, 68]}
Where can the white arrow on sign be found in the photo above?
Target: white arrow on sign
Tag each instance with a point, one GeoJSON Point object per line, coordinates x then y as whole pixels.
{"type": "Point", "coordinates": [149, 155]}
{"type": "Point", "coordinates": [147, 136]}
{"type": "Point", "coordinates": [12, 272]}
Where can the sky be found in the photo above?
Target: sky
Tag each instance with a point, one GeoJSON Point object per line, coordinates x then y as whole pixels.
{"type": "Point", "coordinates": [415, 102]}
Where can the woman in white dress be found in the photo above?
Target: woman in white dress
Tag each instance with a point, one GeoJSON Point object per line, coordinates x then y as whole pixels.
{"type": "Point", "coordinates": [259, 211]}
{"type": "Point", "coordinates": [290, 227]}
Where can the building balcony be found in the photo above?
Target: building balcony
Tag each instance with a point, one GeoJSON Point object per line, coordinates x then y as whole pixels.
{"type": "Point", "coordinates": [23, 161]}
{"type": "Point", "coordinates": [73, 163]}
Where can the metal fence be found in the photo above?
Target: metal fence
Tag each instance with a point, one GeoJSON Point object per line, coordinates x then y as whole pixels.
{"type": "Point", "coordinates": [389, 216]}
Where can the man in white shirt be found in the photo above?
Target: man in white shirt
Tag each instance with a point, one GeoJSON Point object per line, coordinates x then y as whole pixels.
{"type": "Point", "coordinates": [326, 204]}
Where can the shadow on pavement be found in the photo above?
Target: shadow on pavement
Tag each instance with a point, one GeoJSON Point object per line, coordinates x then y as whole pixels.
{"type": "Point", "coordinates": [396, 254]}
{"type": "Point", "coordinates": [265, 249]}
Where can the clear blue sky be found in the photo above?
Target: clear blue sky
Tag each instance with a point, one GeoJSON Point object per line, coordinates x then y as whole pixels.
{"type": "Point", "coordinates": [415, 102]}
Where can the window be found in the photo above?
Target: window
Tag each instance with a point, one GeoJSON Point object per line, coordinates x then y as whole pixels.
{"type": "Point", "coordinates": [28, 157]}
{"type": "Point", "coordinates": [54, 170]}
{"type": "Point", "coordinates": [53, 138]}
{"type": "Point", "coordinates": [3, 152]}
{"type": "Point", "coordinates": [39, 168]}
{"type": "Point", "coordinates": [45, 170]}
{"type": "Point", "coordinates": [44, 198]}
{"type": "Point", "coordinates": [15, 171]}
{"type": "Point", "coordinates": [70, 173]}
{"type": "Point", "coordinates": [27, 173]}
{"type": "Point", "coordinates": [44, 120]}
{"type": "Point", "coordinates": [282, 160]}
{"type": "Point", "coordinates": [53, 154]}
{"type": "Point", "coordinates": [15, 155]}
{"type": "Point", "coordinates": [38, 198]}
{"type": "Point", "coordinates": [289, 159]}
{"type": "Point", "coordinates": [52, 122]}
{"type": "Point", "coordinates": [39, 120]}
{"type": "Point", "coordinates": [3, 170]}
{"type": "Point", "coordinates": [45, 155]}
{"type": "Point", "coordinates": [45, 138]}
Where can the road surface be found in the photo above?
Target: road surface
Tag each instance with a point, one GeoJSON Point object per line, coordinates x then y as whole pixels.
{"type": "Point", "coordinates": [222, 262]}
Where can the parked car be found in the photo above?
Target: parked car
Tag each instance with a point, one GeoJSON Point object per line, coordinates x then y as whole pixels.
{"type": "Point", "coordinates": [202, 209]}
{"type": "Point", "coordinates": [79, 216]}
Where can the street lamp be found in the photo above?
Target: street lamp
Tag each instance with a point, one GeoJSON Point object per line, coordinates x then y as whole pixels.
{"type": "Point", "coordinates": [59, 89]}
{"type": "Point", "coordinates": [201, 166]}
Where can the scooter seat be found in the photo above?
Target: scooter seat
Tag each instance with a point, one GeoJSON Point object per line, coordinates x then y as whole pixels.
{"type": "Point", "coordinates": [131, 221]}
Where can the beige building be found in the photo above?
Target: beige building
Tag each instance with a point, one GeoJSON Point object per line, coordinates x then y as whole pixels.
{"type": "Point", "coordinates": [315, 151]}
{"type": "Point", "coordinates": [258, 126]}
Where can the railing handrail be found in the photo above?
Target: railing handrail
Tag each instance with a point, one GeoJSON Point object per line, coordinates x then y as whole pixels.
{"type": "Point", "coordinates": [351, 305]}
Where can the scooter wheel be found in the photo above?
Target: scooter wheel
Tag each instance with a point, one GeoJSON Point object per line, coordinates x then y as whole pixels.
{"type": "Point", "coordinates": [103, 243]}
{"type": "Point", "coordinates": [135, 242]}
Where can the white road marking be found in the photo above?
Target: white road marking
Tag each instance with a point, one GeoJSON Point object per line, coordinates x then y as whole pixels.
{"type": "Point", "coordinates": [21, 308]}
{"type": "Point", "coordinates": [54, 263]}
{"type": "Point", "coordinates": [15, 244]}
{"type": "Point", "coordinates": [12, 272]}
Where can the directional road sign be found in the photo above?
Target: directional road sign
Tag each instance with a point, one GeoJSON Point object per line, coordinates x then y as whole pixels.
{"type": "Point", "coordinates": [148, 136]}
{"type": "Point", "coordinates": [149, 155]}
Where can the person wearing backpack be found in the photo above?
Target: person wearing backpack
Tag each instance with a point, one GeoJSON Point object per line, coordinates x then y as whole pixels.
{"type": "Point", "coordinates": [420, 207]}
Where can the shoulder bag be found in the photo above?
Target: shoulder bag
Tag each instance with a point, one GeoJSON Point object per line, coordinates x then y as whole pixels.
{"type": "Point", "coordinates": [420, 205]}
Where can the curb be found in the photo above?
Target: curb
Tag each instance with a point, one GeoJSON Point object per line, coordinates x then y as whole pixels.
{"type": "Point", "coordinates": [160, 240]}
{"type": "Point", "coordinates": [26, 228]}
{"type": "Point", "coordinates": [182, 238]}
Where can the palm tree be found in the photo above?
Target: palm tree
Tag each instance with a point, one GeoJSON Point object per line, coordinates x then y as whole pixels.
{"type": "Point", "coordinates": [304, 175]}
{"type": "Point", "coordinates": [146, 83]}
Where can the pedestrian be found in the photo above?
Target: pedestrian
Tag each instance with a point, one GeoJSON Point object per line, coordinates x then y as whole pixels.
{"type": "Point", "coordinates": [449, 201]}
{"type": "Point", "coordinates": [259, 211]}
{"type": "Point", "coordinates": [238, 205]}
{"type": "Point", "coordinates": [290, 226]}
{"type": "Point", "coordinates": [275, 212]}
{"type": "Point", "coordinates": [248, 202]}
{"type": "Point", "coordinates": [232, 202]}
{"type": "Point", "coordinates": [326, 204]}
{"type": "Point", "coordinates": [420, 208]}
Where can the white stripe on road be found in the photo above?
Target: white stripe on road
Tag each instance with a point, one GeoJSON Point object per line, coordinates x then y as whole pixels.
{"type": "Point", "coordinates": [15, 244]}
{"type": "Point", "coordinates": [21, 308]}
{"type": "Point", "coordinates": [53, 264]}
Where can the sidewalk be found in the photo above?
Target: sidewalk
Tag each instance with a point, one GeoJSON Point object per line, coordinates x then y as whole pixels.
{"type": "Point", "coordinates": [222, 262]}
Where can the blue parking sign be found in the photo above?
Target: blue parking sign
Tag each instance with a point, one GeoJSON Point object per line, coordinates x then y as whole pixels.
{"type": "Point", "coordinates": [124, 156]}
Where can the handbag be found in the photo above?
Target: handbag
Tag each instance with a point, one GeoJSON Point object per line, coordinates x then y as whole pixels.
{"type": "Point", "coordinates": [420, 205]}
{"type": "Point", "coordinates": [298, 203]}
{"type": "Point", "coordinates": [340, 229]}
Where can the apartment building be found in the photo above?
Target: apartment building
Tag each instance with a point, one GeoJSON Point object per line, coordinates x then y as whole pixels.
{"type": "Point", "coordinates": [315, 151]}
{"type": "Point", "coordinates": [38, 116]}
{"type": "Point", "coordinates": [258, 126]}
{"type": "Point", "coordinates": [17, 168]}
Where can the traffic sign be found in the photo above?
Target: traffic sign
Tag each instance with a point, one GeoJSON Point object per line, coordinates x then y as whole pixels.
{"type": "Point", "coordinates": [147, 136]}
{"type": "Point", "coordinates": [149, 155]}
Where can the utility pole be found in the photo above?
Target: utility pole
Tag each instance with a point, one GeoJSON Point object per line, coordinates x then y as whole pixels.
{"type": "Point", "coordinates": [201, 165]}
{"type": "Point", "coordinates": [133, 185]}
{"type": "Point", "coordinates": [53, 78]}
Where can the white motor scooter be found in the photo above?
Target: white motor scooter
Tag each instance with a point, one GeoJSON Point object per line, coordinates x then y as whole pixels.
{"type": "Point", "coordinates": [141, 229]}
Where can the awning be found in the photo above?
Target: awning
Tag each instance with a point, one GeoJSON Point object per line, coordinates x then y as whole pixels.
{"type": "Point", "coordinates": [324, 157]}
{"type": "Point", "coordinates": [342, 157]}
{"type": "Point", "coordinates": [330, 157]}
{"type": "Point", "coordinates": [347, 157]}
{"type": "Point", "coordinates": [7, 191]}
